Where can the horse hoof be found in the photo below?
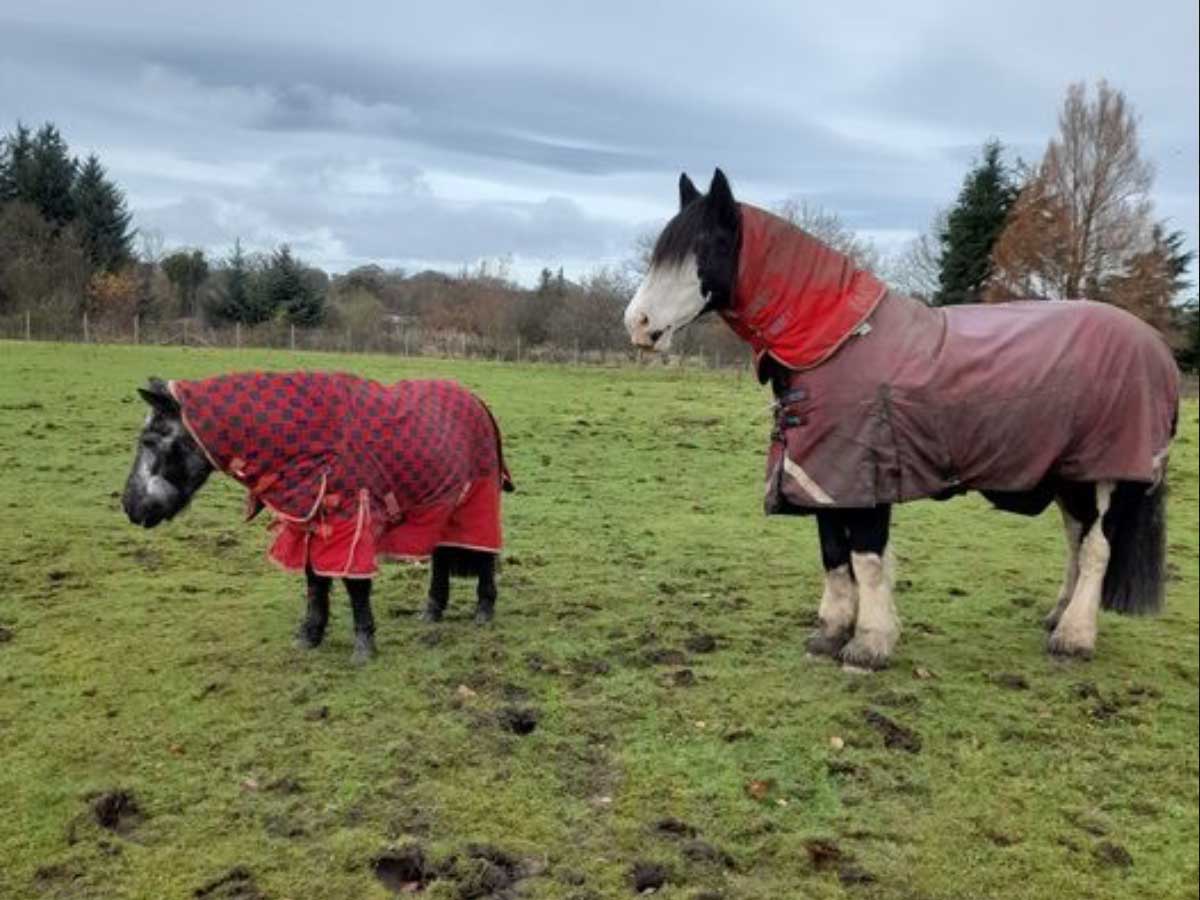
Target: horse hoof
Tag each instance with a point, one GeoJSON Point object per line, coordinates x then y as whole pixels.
{"type": "Point", "coordinates": [430, 614]}
{"type": "Point", "coordinates": [364, 652]}
{"type": "Point", "coordinates": [305, 640]}
{"type": "Point", "coordinates": [484, 616]}
{"type": "Point", "coordinates": [1063, 646]}
{"type": "Point", "coordinates": [821, 644]}
{"type": "Point", "coordinates": [865, 653]}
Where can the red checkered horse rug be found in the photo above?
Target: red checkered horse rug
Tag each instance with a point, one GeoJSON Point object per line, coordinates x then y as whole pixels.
{"type": "Point", "coordinates": [885, 400]}
{"type": "Point", "coordinates": [353, 470]}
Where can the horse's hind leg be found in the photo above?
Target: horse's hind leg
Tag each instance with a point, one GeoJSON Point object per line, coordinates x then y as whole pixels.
{"type": "Point", "coordinates": [1073, 530]}
{"type": "Point", "coordinates": [877, 627]}
{"type": "Point", "coordinates": [485, 590]}
{"type": "Point", "coordinates": [839, 601]}
{"type": "Point", "coordinates": [359, 590]}
{"type": "Point", "coordinates": [312, 628]}
{"type": "Point", "coordinates": [1075, 633]}
{"type": "Point", "coordinates": [439, 585]}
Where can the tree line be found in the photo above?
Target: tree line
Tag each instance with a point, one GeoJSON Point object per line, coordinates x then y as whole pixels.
{"type": "Point", "coordinates": [1078, 222]}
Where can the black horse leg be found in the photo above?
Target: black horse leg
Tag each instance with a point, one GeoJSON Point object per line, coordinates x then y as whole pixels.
{"type": "Point", "coordinates": [312, 628]}
{"type": "Point", "coordinates": [839, 601]}
{"type": "Point", "coordinates": [359, 590]}
{"type": "Point", "coordinates": [877, 627]}
{"type": "Point", "coordinates": [439, 586]}
{"type": "Point", "coordinates": [485, 591]}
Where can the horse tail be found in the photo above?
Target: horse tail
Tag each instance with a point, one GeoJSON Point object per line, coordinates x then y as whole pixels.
{"type": "Point", "coordinates": [506, 481]}
{"type": "Point", "coordinates": [1135, 580]}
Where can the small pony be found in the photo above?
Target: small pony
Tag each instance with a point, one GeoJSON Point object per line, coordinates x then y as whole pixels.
{"type": "Point", "coordinates": [352, 471]}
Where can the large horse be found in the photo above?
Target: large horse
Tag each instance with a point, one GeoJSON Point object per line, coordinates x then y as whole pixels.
{"type": "Point", "coordinates": [352, 471]}
{"type": "Point", "coordinates": [880, 399]}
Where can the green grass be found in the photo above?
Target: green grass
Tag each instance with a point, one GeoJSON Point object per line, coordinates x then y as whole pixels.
{"type": "Point", "coordinates": [161, 663]}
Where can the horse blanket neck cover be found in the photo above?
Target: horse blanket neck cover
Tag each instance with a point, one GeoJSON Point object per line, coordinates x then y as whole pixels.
{"type": "Point", "coordinates": [881, 399]}
{"type": "Point", "coordinates": [352, 469]}
{"type": "Point", "coordinates": [795, 300]}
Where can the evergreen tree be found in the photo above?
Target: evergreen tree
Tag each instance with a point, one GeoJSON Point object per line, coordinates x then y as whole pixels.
{"type": "Point", "coordinates": [186, 270]}
{"type": "Point", "coordinates": [289, 291]}
{"type": "Point", "coordinates": [16, 164]}
{"type": "Point", "coordinates": [972, 227]}
{"type": "Point", "coordinates": [103, 218]}
{"type": "Point", "coordinates": [51, 177]}
{"type": "Point", "coordinates": [243, 295]}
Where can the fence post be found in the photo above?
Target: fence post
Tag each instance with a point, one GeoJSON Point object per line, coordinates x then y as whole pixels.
{"type": "Point", "coordinates": [28, 333]}
{"type": "Point", "coordinates": [184, 337]}
{"type": "Point", "coordinates": [136, 329]}
{"type": "Point", "coordinates": [518, 348]}
{"type": "Point", "coordinates": [293, 338]}
{"type": "Point", "coordinates": [86, 332]}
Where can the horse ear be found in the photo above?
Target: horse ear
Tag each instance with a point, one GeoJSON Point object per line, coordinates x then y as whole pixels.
{"type": "Point", "coordinates": [687, 191]}
{"type": "Point", "coordinates": [159, 397]}
{"type": "Point", "coordinates": [720, 199]}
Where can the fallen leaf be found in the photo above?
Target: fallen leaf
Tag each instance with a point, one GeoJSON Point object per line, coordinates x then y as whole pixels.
{"type": "Point", "coordinates": [177, 749]}
{"type": "Point", "coordinates": [922, 673]}
{"type": "Point", "coordinates": [758, 789]}
{"type": "Point", "coordinates": [250, 784]}
{"type": "Point", "coordinates": [837, 743]}
{"type": "Point", "coordinates": [465, 693]}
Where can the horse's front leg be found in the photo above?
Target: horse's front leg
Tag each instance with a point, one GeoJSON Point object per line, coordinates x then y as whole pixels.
{"type": "Point", "coordinates": [839, 601]}
{"type": "Point", "coordinates": [359, 590]}
{"type": "Point", "coordinates": [877, 627]}
{"type": "Point", "coordinates": [312, 627]}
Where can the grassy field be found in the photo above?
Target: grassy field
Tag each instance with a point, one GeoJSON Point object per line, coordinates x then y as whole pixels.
{"type": "Point", "coordinates": [160, 737]}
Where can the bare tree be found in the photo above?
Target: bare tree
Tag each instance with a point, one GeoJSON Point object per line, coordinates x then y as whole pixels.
{"type": "Point", "coordinates": [916, 268]}
{"type": "Point", "coordinates": [828, 227]}
{"type": "Point", "coordinates": [1084, 211]}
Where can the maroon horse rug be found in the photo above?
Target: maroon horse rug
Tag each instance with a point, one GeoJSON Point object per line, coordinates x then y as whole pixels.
{"type": "Point", "coordinates": [888, 400]}
{"type": "Point", "coordinates": [353, 470]}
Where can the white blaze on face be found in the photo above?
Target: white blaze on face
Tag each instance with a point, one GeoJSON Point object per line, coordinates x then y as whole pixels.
{"type": "Point", "coordinates": [154, 487]}
{"type": "Point", "coordinates": [668, 298]}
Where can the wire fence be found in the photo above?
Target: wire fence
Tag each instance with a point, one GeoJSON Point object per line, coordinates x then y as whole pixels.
{"type": "Point", "coordinates": [385, 338]}
{"type": "Point", "coordinates": [392, 338]}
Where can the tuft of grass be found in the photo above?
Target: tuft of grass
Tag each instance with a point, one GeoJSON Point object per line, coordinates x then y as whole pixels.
{"type": "Point", "coordinates": [650, 627]}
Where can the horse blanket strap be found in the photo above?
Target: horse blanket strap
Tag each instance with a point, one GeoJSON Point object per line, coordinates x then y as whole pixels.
{"type": "Point", "coordinates": [931, 401]}
{"type": "Point", "coordinates": [351, 469]}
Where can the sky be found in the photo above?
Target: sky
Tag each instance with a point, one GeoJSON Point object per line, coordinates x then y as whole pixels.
{"type": "Point", "coordinates": [552, 133]}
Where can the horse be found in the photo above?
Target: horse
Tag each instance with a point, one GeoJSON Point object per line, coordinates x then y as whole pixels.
{"type": "Point", "coordinates": [351, 470]}
{"type": "Point", "coordinates": [880, 399]}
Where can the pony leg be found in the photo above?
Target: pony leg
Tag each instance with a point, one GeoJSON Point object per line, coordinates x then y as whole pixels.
{"type": "Point", "coordinates": [839, 601]}
{"type": "Point", "coordinates": [439, 586]}
{"type": "Point", "coordinates": [485, 590]}
{"type": "Point", "coordinates": [877, 627]}
{"type": "Point", "coordinates": [312, 628]}
{"type": "Point", "coordinates": [359, 590]}
{"type": "Point", "coordinates": [1075, 634]}
{"type": "Point", "coordinates": [1073, 529]}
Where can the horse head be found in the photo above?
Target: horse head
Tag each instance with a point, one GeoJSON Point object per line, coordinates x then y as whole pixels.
{"type": "Point", "coordinates": [693, 268]}
{"type": "Point", "coordinates": [168, 466]}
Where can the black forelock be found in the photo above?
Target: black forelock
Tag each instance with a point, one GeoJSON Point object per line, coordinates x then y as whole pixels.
{"type": "Point", "coordinates": [678, 238]}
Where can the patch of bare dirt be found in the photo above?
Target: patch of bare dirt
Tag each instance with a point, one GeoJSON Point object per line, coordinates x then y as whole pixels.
{"type": "Point", "coordinates": [895, 736]}
{"type": "Point", "coordinates": [236, 884]}
{"type": "Point", "coordinates": [117, 811]}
